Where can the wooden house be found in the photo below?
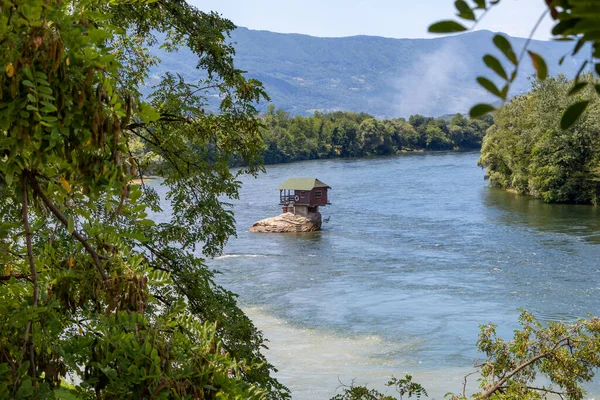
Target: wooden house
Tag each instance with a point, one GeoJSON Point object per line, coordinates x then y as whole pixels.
{"type": "Point", "coordinates": [303, 195]}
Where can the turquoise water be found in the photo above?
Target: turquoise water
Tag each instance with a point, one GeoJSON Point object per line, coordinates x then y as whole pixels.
{"type": "Point", "coordinates": [418, 252]}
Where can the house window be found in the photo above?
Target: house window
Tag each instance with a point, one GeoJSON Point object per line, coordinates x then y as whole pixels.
{"type": "Point", "coordinates": [318, 194]}
{"type": "Point", "coordinates": [302, 194]}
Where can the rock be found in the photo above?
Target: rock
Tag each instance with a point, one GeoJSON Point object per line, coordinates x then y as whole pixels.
{"type": "Point", "coordinates": [289, 222]}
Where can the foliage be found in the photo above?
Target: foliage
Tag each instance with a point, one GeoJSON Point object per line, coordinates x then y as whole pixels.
{"type": "Point", "coordinates": [576, 21]}
{"type": "Point", "coordinates": [88, 285]}
{"type": "Point", "coordinates": [65, 393]}
{"type": "Point", "coordinates": [564, 355]}
{"type": "Point", "coordinates": [348, 134]}
{"type": "Point", "coordinates": [403, 386]}
{"type": "Point", "coordinates": [525, 149]}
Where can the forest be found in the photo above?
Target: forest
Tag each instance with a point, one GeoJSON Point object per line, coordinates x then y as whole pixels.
{"type": "Point", "coordinates": [350, 134]}
{"type": "Point", "coordinates": [526, 151]}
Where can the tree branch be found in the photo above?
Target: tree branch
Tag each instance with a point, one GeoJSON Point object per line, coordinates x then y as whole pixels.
{"type": "Point", "coordinates": [139, 169]}
{"type": "Point", "coordinates": [464, 392]}
{"type": "Point", "coordinates": [542, 389]}
{"type": "Point", "coordinates": [535, 27]}
{"type": "Point", "coordinates": [33, 272]}
{"type": "Point", "coordinates": [61, 217]}
{"type": "Point", "coordinates": [15, 254]}
{"type": "Point", "coordinates": [501, 382]}
{"type": "Point", "coordinates": [25, 217]}
{"type": "Point", "coordinates": [16, 276]}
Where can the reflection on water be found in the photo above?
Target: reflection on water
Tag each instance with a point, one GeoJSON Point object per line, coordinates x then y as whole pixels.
{"type": "Point", "coordinates": [419, 252]}
{"type": "Point", "coordinates": [580, 221]}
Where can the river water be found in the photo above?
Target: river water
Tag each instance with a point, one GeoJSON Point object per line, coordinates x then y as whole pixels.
{"type": "Point", "coordinates": [418, 252]}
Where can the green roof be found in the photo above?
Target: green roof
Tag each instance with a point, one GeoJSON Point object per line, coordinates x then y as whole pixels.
{"type": "Point", "coordinates": [302, 184]}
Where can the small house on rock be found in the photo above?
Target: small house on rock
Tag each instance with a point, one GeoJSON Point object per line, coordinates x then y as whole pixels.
{"type": "Point", "coordinates": [300, 199]}
{"type": "Point", "coordinates": [303, 195]}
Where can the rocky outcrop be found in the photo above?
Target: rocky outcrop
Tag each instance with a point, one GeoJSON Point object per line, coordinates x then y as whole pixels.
{"type": "Point", "coordinates": [289, 222]}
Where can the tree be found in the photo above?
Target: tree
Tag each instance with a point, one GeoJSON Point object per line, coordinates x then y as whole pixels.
{"type": "Point", "coordinates": [526, 151]}
{"type": "Point", "coordinates": [576, 21]}
{"type": "Point", "coordinates": [89, 285]}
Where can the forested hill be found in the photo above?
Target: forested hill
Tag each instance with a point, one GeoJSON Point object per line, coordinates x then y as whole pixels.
{"type": "Point", "coordinates": [380, 76]}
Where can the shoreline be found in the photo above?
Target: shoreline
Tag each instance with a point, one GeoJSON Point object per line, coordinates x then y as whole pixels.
{"type": "Point", "coordinates": [138, 181]}
{"type": "Point", "coordinates": [316, 364]}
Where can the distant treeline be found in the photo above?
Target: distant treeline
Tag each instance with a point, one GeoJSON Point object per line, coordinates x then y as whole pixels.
{"type": "Point", "coordinates": [350, 134]}
{"type": "Point", "coordinates": [528, 152]}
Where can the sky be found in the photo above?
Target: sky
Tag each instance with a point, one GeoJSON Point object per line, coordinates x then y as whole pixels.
{"type": "Point", "coordinates": [388, 18]}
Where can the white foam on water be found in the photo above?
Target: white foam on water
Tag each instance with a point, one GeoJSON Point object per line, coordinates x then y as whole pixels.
{"type": "Point", "coordinates": [314, 364]}
{"type": "Point", "coordinates": [224, 256]}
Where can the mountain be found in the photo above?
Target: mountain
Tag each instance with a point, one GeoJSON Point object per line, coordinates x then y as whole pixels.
{"type": "Point", "coordinates": [381, 76]}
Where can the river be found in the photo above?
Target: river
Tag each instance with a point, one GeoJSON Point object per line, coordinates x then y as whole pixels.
{"type": "Point", "coordinates": [418, 252]}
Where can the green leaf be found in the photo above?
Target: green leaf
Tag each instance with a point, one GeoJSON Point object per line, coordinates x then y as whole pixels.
{"type": "Point", "coordinates": [572, 114]}
{"type": "Point", "coordinates": [28, 73]}
{"type": "Point", "coordinates": [48, 106]}
{"type": "Point", "coordinates": [585, 63]}
{"type": "Point", "coordinates": [505, 47]}
{"type": "Point", "coordinates": [4, 369]}
{"type": "Point", "coordinates": [148, 113]}
{"type": "Point", "coordinates": [110, 373]}
{"type": "Point", "coordinates": [480, 110]}
{"type": "Point", "coordinates": [480, 4]}
{"type": "Point", "coordinates": [44, 89]}
{"type": "Point", "coordinates": [138, 208]}
{"type": "Point", "coordinates": [446, 27]}
{"type": "Point", "coordinates": [562, 26]}
{"type": "Point", "coordinates": [25, 390]}
{"type": "Point", "coordinates": [464, 11]}
{"type": "Point", "coordinates": [539, 64]}
{"type": "Point", "coordinates": [28, 83]}
{"type": "Point", "coordinates": [490, 86]}
{"type": "Point", "coordinates": [70, 225]}
{"type": "Point", "coordinates": [46, 96]}
{"type": "Point", "coordinates": [495, 65]}
{"type": "Point", "coordinates": [577, 88]}
{"type": "Point", "coordinates": [31, 98]}
{"type": "Point", "coordinates": [578, 46]}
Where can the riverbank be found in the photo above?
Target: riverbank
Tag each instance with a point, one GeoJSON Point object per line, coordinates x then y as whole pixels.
{"type": "Point", "coordinates": [144, 179]}
{"type": "Point", "coordinates": [348, 134]}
